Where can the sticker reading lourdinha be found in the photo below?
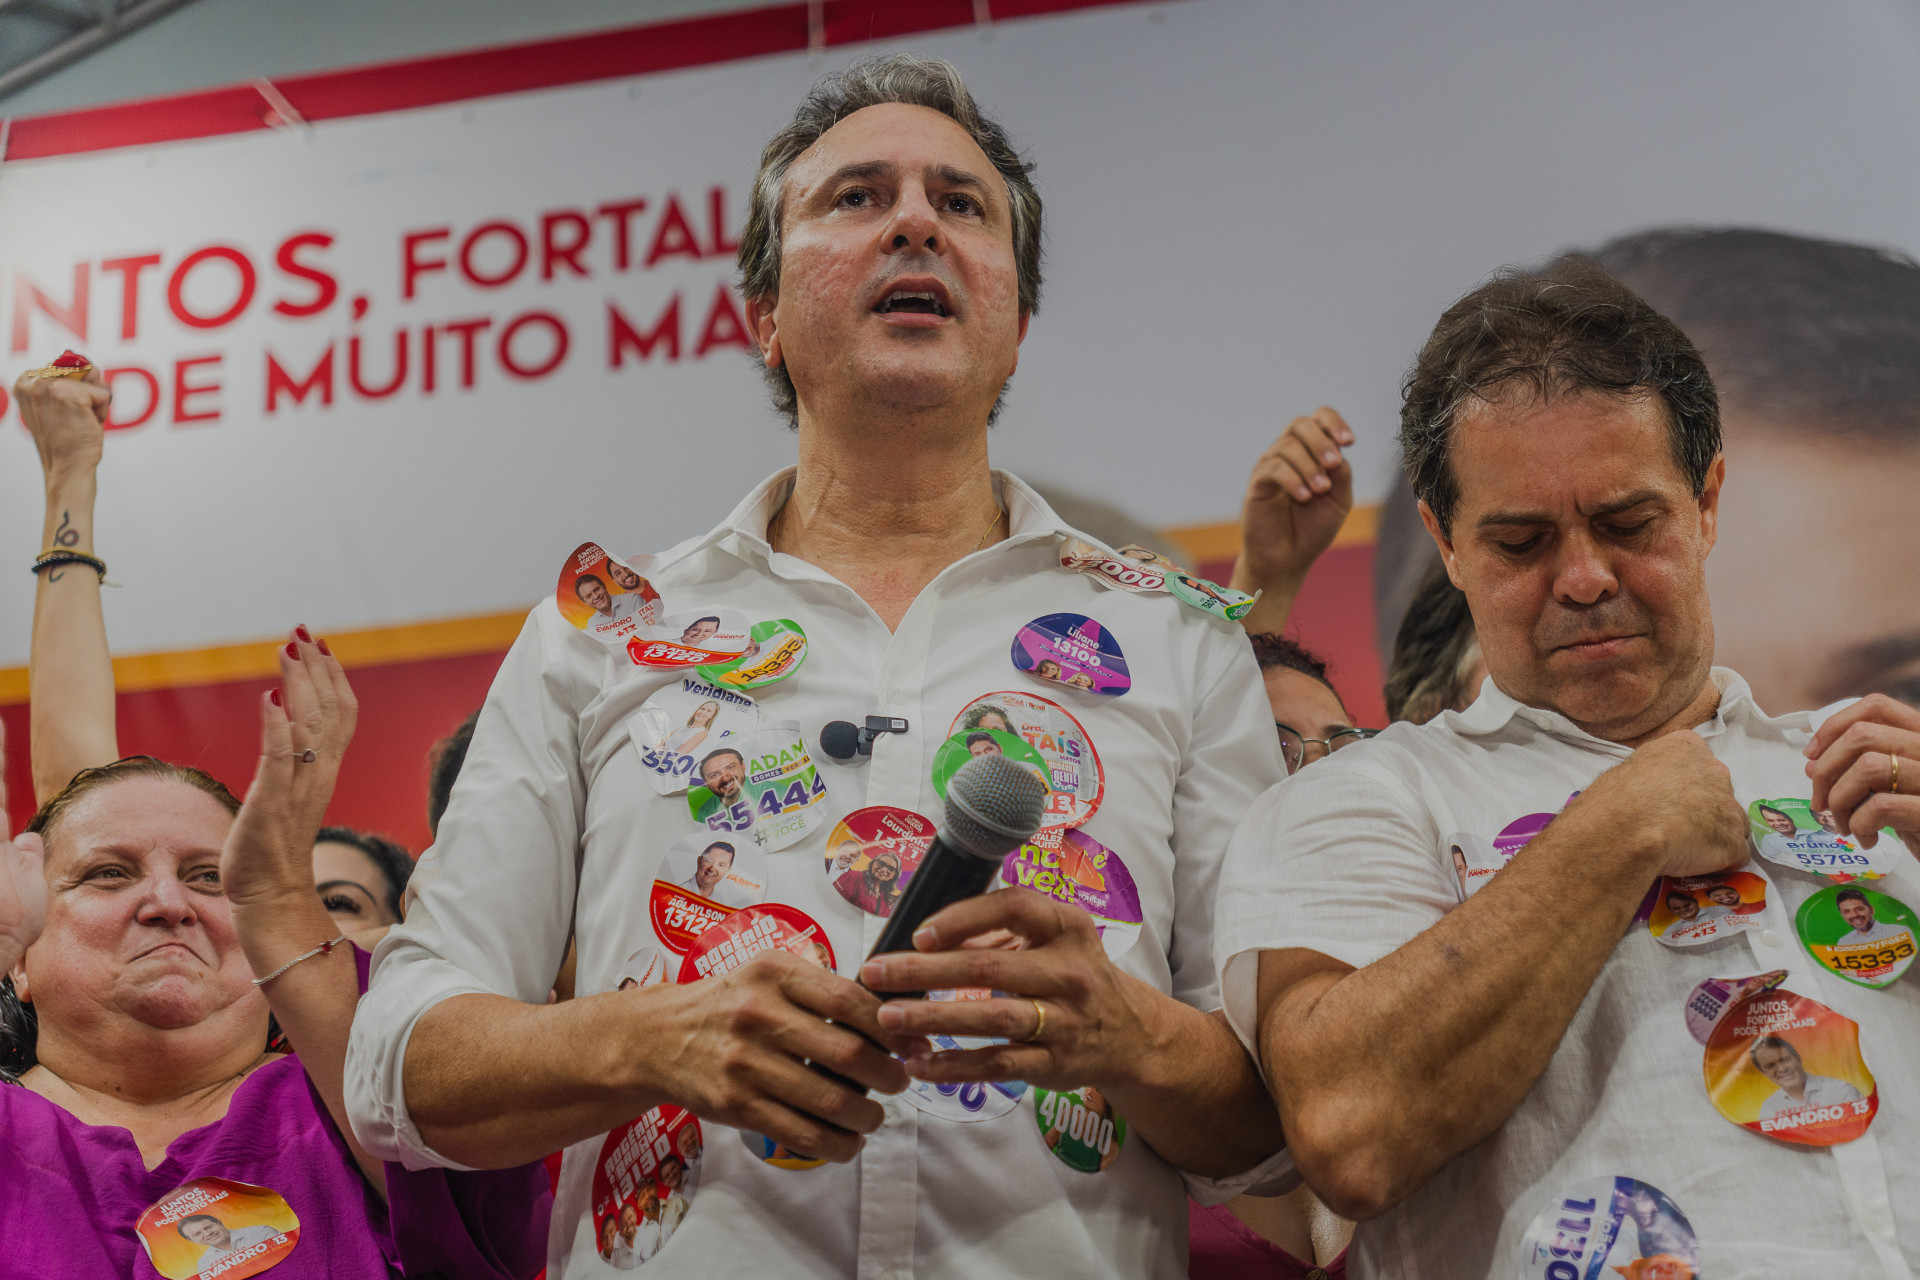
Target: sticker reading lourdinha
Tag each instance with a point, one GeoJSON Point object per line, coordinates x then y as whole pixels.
{"type": "Point", "coordinates": [872, 854]}
{"type": "Point", "coordinates": [1604, 1227]}
{"type": "Point", "coordinates": [217, 1227]}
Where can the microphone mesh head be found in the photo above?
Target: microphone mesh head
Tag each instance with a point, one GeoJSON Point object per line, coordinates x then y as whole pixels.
{"type": "Point", "coordinates": [993, 806]}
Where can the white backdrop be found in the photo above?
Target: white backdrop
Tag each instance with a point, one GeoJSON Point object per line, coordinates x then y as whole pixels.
{"type": "Point", "coordinates": [1253, 208]}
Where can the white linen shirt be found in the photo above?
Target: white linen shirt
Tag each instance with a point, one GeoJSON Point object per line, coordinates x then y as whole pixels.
{"type": "Point", "coordinates": [553, 829]}
{"type": "Point", "coordinates": [1349, 858]}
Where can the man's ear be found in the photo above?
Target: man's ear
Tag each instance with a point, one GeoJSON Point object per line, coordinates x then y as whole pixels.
{"type": "Point", "coordinates": [1710, 502]}
{"type": "Point", "coordinates": [1441, 541]}
{"type": "Point", "coordinates": [766, 331]}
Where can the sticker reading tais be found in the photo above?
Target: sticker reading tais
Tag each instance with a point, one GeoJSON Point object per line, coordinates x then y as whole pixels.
{"type": "Point", "coordinates": [1789, 1067]}
{"type": "Point", "coordinates": [774, 651]}
{"type": "Point", "coordinates": [745, 934]}
{"type": "Point", "coordinates": [692, 639]}
{"type": "Point", "coordinates": [1794, 834]}
{"type": "Point", "coordinates": [1690, 910]}
{"type": "Point", "coordinates": [643, 1185]}
{"type": "Point", "coordinates": [1864, 936]}
{"type": "Point", "coordinates": [873, 853]}
{"type": "Point", "coordinates": [762, 786]}
{"type": "Point", "coordinates": [1074, 650]}
{"type": "Point", "coordinates": [681, 723]}
{"type": "Point", "coordinates": [217, 1227]}
{"type": "Point", "coordinates": [1605, 1227]}
{"type": "Point", "coordinates": [1080, 1128]}
{"type": "Point", "coordinates": [1073, 766]}
{"type": "Point", "coordinates": [1072, 866]}
{"type": "Point", "coordinates": [962, 747]}
{"type": "Point", "coordinates": [605, 596]}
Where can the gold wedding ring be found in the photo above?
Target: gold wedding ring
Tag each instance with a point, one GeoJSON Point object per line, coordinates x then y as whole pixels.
{"type": "Point", "coordinates": [1893, 763]}
{"type": "Point", "coordinates": [1040, 1014]}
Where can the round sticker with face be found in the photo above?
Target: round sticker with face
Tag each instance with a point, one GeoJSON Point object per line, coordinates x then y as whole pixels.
{"type": "Point", "coordinates": [217, 1226]}
{"type": "Point", "coordinates": [1140, 571]}
{"type": "Point", "coordinates": [1711, 999]}
{"type": "Point", "coordinates": [1072, 866]}
{"type": "Point", "coordinates": [692, 639]}
{"type": "Point", "coordinates": [1794, 834]}
{"type": "Point", "coordinates": [1073, 767]}
{"type": "Point", "coordinates": [1610, 1226]}
{"type": "Point", "coordinates": [765, 1148]}
{"type": "Point", "coordinates": [745, 934]}
{"type": "Point", "coordinates": [605, 596]}
{"type": "Point", "coordinates": [701, 881]}
{"type": "Point", "coordinates": [1863, 936]}
{"type": "Point", "coordinates": [1072, 649]}
{"type": "Point", "coordinates": [1789, 1067]}
{"type": "Point", "coordinates": [648, 967]}
{"type": "Point", "coordinates": [1473, 860]}
{"type": "Point", "coordinates": [643, 1185]}
{"type": "Point", "coordinates": [962, 747]}
{"type": "Point", "coordinates": [774, 651]}
{"type": "Point", "coordinates": [1209, 597]}
{"type": "Point", "coordinates": [967, 1103]}
{"type": "Point", "coordinates": [761, 787]}
{"type": "Point", "coordinates": [873, 853]}
{"type": "Point", "coordinates": [1690, 910]}
{"type": "Point", "coordinates": [1080, 1128]}
{"type": "Point", "coordinates": [676, 727]}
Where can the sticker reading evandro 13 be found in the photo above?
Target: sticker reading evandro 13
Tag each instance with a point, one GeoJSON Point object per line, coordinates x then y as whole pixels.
{"type": "Point", "coordinates": [1690, 910]}
{"type": "Point", "coordinates": [217, 1227]}
{"type": "Point", "coordinates": [1073, 766]}
{"type": "Point", "coordinates": [1789, 1067]}
{"type": "Point", "coordinates": [643, 1185]}
{"type": "Point", "coordinates": [763, 786]}
{"type": "Point", "coordinates": [1863, 936]}
{"type": "Point", "coordinates": [1074, 650]}
{"type": "Point", "coordinates": [774, 651]}
{"type": "Point", "coordinates": [1792, 833]}
{"type": "Point", "coordinates": [605, 596]}
{"type": "Point", "coordinates": [1605, 1227]}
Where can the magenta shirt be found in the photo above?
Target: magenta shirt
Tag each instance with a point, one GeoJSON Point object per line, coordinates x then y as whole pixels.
{"type": "Point", "coordinates": [70, 1192]}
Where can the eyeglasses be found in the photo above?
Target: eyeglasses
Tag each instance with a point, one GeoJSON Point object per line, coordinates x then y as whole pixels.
{"type": "Point", "coordinates": [1294, 744]}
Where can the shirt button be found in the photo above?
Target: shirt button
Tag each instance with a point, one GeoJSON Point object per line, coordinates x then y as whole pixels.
{"type": "Point", "coordinates": [891, 1109]}
{"type": "Point", "coordinates": [900, 699]}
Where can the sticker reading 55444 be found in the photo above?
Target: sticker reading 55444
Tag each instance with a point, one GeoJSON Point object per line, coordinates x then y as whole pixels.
{"type": "Point", "coordinates": [763, 786]}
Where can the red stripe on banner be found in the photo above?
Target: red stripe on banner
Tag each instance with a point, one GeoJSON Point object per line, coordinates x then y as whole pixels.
{"type": "Point", "coordinates": [517, 68]}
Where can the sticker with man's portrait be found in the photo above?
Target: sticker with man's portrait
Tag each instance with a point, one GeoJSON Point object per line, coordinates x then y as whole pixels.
{"type": "Point", "coordinates": [1074, 776]}
{"type": "Point", "coordinates": [762, 787]}
{"type": "Point", "coordinates": [1792, 833]}
{"type": "Point", "coordinates": [216, 1227]}
{"type": "Point", "coordinates": [1130, 569]}
{"type": "Point", "coordinates": [967, 744]}
{"type": "Point", "coordinates": [872, 854]}
{"type": "Point", "coordinates": [692, 639]}
{"type": "Point", "coordinates": [1080, 1128]}
{"type": "Point", "coordinates": [1690, 910]}
{"type": "Point", "coordinates": [679, 724]}
{"type": "Point", "coordinates": [1603, 1227]}
{"type": "Point", "coordinates": [1863, 936]}
{"type": "Point", "coordinates": [1790, 1068]}
{"type": "Point", "coordinates": [606, 596]}
{"type": "Point", "coordinates": [643, 1185]}
{"type": "Point", "coordinates": [701, 881]}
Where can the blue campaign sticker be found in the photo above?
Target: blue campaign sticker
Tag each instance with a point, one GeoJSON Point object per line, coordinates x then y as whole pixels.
{"type": "Point", "coordinates": [1603, 1227]}
{"type": "Point", "coordinates": [973, 1101]}
{"type": "Point", "coordinates": [1072, 649]}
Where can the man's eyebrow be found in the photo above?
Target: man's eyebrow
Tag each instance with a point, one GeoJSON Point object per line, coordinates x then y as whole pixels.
{"type": "Point", "coordinates": [859, 171]}
{"type": "Point", "coordinates": [952, 176]}
{"type": "Point", "coordinates": [1638, 498]}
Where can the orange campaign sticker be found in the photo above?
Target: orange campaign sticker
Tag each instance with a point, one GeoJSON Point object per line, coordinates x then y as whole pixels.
{"type": "Point", "coordinates": [605, 596]}
{"type": "Point", "coordinates": [215, 1227]}
{"type": "Point", "coordinates": [1789, 1067]}
{"type": "Point", "coordinates": [692, 639]}
{"type": "Point", "coordinates": [701, 881]}
{"type": "Point", "coordinates": [1690, 910]}
{"type": "Point", "coordinates": [643, 1185]}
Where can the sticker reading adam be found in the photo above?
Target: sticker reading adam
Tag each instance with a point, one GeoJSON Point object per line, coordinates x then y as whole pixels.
{"type": "Point", "coordinates": [972, 1102]}
{"type": "Point", "coordinates": [1080, 1128]}
{"type": "Point", "coordinates": [643, 1185]}
{"type": "Point", "coordinates": [679, 724]}
{"type": "Point", "coordinates": [1074, 650]}
{"type": "Point", "coordinates": [1074, 867]}
{"type": "Point", "coordinates": [217, 1227]}
{"type": "Point", "coordinates": [873, 853]}
{"type": "Point", "coordinates": [1789, 1067]}
{"type": "Point", "coordinates": [701, 881]}
{"type": "Point", "coordinates": [1690, 910]}
{"type": "Point", "coordinates": [964, 746]}
{"type": "Point", "coordinates": [774, 651]}
{"type": "Point", "coordinates": [692, 639]}
{"type": "Point", "coordinates": [1073, 766]}
{"type": "Point", "coordinates": [1610, 1226]}
{"type": "Point", "coordinates": [1863, 936]}
{"type": "Point", "coordinates": [1792, 833]}
{"type": "Point", "coordinates": [762, 786]}
{"type": "Point", "coordinates": [745, 934]}
{"type": "Point", "coordinates": [605, 596]}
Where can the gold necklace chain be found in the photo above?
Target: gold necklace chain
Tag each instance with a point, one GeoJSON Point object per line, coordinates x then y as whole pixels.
{"type": "Point", "coordinates": [992, 524]}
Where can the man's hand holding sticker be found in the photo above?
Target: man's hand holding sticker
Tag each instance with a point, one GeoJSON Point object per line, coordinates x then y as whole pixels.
{"type": "Point", "coordinates": [1865, 766]}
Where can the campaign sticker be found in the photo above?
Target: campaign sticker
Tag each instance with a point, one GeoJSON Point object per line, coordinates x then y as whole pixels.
{"type": "Point", "coordinates": [1137, 572]}
{"type": "Point", "coordinates": [774, 651]}
{"type": "Point", "coordinates": [972, 1101]}
{"type": "Point", "coordinates": [1604, 1227]}
{"type": "Point", "coordinates": [1209, 597]}
{"type": "Point", "coordinates": [1794, 834]}
{"type": "Point", "coordinates": [1789, 1067]}
{"type": "Point", "coordinates": [647, 967]}
{"type": "Point", "coordinates": [1863, 936]}
{"type": "Point", "coordinates": [762, 787]}
{"type": "Point", "coordinates": [771, 1152]}
{"type": "Point", "coordinates": [605, 596]}
{"type": "Point", "coordinates": [962, 747]}
{"type": "Point", "coordinates": [1690, 910]}
{"type": "Point", "coordinates": [1711, 999]}
{"type": "Point", "coordinates": [643, 1185]}
{"type": "Point", "coordinates": [1080, 1128]}
{"type": "Point", "coordinates": [873, 853]}
{"type": "Point", "coordinates": [679, 724]}
{"type": "Point", "coordinates": [692, 639]}
{"type": "Point", "coordinates": [745, 934]}
{"type": "Point", "coordinates": [1074, 650]}
{"type": "Point", "coordinates": [217, 1227]}
{"type": "Point", "coordinates": [1071, 866]}
{"type": "Point", "coordinates": [701, 881]}
{"type": "Point", "coordinates": [1474, 860]}
{"type": "Point", "coordinates": [1073, 767]}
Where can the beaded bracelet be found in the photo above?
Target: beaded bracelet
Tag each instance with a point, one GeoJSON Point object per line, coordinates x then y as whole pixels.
{"type": "Point", "coordinates": [60, 555]}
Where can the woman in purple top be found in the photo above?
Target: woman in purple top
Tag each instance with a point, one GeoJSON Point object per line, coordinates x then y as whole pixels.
{"type": "Point", "coordinates": [134, 915]}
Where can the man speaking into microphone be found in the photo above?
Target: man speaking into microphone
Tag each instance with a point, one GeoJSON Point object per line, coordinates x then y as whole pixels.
{"type": "Point", "coordinates": [890, 268]}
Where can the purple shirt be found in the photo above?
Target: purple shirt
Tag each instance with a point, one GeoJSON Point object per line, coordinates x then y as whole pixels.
{"type": "Point", "coordinates": [70, 1192]}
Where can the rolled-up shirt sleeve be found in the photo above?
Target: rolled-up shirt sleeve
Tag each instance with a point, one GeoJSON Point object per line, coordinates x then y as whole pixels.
{"type": "Point", "coordinates": [490, 906]}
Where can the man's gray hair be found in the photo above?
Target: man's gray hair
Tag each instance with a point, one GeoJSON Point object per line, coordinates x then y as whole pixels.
{"type": "Point", "coordinates": [902, 78]}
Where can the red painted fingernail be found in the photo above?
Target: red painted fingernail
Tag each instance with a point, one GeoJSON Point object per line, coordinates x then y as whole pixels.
{"type": "Point", "coordinates": [293, 651]}
{"type": "Point", "coordinates": [273, 695]}
{"type": "Point", "coordinates": [323, 648]}
{"type": "Point", "coordinates": [306, 637]}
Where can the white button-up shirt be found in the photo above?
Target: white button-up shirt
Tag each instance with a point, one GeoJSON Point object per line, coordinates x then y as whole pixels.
{"type": "Point", "coordinates": [554, 830]}
{"type": "Point", "coordinates": [1350, 858]}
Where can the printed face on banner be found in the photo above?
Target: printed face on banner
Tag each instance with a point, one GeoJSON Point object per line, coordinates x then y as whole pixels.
{"type": "Point", "coordinates": [1792, 833]}
{"type": "Point", "coordinates": [681, 723]}
{"type": "Point", "coordinates": [1608, 1226]}
{"type": "Point", "coordinates": [1695, 909]}
{"type": "Point", "coordinates": [1113, 570]}
{"type": "Point", "coordinates": [872, 853]}
{"type": "Point", "coordinates": [217, 1227]}
{"type": "Point", "coordinates": [1863, 936]}
{"type": "Point", "coordinates": [1071, 866]}
{"type": "Point", "coordinates": [774, 651]}
{"type": "Point", "coordinates": [701, 881]}
{"type": "Point", "coordinates": [1072, 649]}
{"type": "Point", "coordinates": [643, 1185]}
{"type": "Point", "coordinates": [762, 787]}
{"type": "Point", "coordinates": [745, 934]}
{"type": "Point", "coordinates": [1081, 1128]}
{"type": "Point", "coordinates": [605, 596]}
{"type": "Point", "coordinates": [962, 747]}
{"type": "Point", "coordinates": [972, 1102]}
{"type": "Point", "coordinates": [1073, 767]}
{"type": "Point", "coordinates": [692, 639]}
{"type": "Point", "coordinates": [1789, 1067]}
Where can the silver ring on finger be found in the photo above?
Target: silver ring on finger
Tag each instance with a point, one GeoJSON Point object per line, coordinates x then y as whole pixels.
{"type": "Point", "coordinates": [306, 757]}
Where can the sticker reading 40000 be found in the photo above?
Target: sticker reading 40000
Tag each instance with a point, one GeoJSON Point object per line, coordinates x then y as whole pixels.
{"type": "Point", "coordinates": [1080, 1128]}
{"type": "Point", "coordinates": [643, 1185]}
{"type": "Point", "coordinates": [1605, 1227]}
{"type": "Point", "coordinates": [774, 651]}
{"type": "Point", "coordinates": [763, 786]}
{"type": "Point", "coordinates": [692, 639]}
{"type": "Point", "coordinates": [605, 596]}
{"type": "Point", "coordinates": [1789, 1067]}
{"type": "Point", "coordinates": [217, 1227]}
{"type": "Point", "coordinates": [1073, 766]}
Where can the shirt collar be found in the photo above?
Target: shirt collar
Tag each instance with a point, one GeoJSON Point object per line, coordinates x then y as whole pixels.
{"type": "Point", "coordinates": [1494, 709]}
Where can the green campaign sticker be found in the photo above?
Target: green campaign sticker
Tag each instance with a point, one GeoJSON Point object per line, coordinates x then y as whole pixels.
{"type": "Point", "coordinates": [964, 746]}
{"type": "Point", "coordinates": [774, 651]}
{"type": "Point", "coordinates": [1080, 1128]}
{"type": "Point", "coordinates": [1794, 834]}
{"type": "Point", "coordinates": [1864, 936]}
{"type": "Point", "coordinates": [1209, 597]}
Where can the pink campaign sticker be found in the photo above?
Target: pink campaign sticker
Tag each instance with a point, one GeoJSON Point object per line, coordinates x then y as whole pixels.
{"type": "Point", "coordinates": [1071, 866]}
{"type": "Point", "coordinates": [1072, 649]}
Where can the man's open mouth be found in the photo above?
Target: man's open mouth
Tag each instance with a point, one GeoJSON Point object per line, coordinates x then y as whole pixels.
{"type": "Point", "coordinates": [912, 302]}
